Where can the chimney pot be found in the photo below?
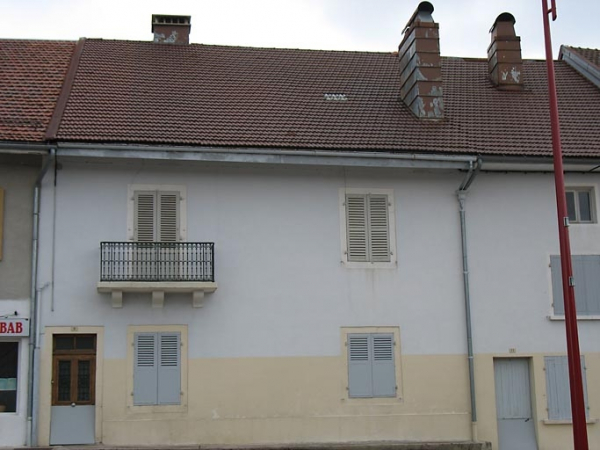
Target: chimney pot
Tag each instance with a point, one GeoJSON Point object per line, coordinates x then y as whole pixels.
{"type": "Point", "coordinates": [168, 29]}
{"type": "Point", "coordinates": [421, 65]}
{"type": "Point", "coordinates": [505, 62]}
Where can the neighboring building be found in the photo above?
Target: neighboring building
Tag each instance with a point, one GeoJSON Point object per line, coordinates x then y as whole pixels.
{"type": "Point", "coordinates": [585, 60]}
{"type": "Point", "coordinates": [32, 76]}
{"type": "Point", "coordinates": [249, 246]}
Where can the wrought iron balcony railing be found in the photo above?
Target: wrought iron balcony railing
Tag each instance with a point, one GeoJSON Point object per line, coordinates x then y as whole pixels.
{"type": "Point", "coordinates": [157, 261]}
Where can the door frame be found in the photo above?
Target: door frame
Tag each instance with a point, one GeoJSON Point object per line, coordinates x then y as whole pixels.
{"type": "Point", "coordinates": [45, 380]}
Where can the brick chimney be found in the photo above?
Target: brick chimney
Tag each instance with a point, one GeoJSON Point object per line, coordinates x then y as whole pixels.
{"type": "Point", "coordinates": [504, 54]}
{"type": "Point", "coordinates": [420, 65]}
{"type": "Point", "coordinates": [171, 29]}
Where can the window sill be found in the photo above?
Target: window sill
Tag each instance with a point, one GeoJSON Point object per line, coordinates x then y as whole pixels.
{"type": "Point", "coordinates": [369, 265]}
{"type": "Point", "coordinates": [155, 409]}
{"type": "Point", "coordinates": [567, 422]}
{"type": "Point", "coordinates": [558, 318]}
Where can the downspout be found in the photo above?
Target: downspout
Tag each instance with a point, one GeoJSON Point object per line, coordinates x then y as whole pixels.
{"type": "Point", "coordinates": [33, 305]}
{"type": "Point", "coordinates": [461, 195]}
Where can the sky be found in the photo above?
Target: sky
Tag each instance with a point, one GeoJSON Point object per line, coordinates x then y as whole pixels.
{"type": "Point", "coordinates": [363, 25]}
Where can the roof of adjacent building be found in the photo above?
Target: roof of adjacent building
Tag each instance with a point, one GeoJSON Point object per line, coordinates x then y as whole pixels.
{"type": "Point", "coordinates": [31, 74]}
{"type": "Point", "coordinates": [206, 95]}
{"type": "Point", "coordinates": [592, 55]}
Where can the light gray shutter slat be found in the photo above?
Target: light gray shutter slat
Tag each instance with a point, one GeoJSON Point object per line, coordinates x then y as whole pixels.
{"type": "Point", "coordinates": [356, 227]}
{"type": "Point", "coordinates": [168, 216]}
{"type": "Point", "coordinates": [379, 232]}
{"type": "Point", "coordinates": [145, 216]}
{"type": "Point", "coordinates": [384, 376]}
{"type": "Point", "coordinates": [145, 369]}
{"type": "Point", "coordinates": [557, 293]}
{"type": "Point", "coordinates": [169, 368]}
{"type": "Point", "coordinates": [558, 389]}
{"type": "Point", "coordinates": [360, 380]}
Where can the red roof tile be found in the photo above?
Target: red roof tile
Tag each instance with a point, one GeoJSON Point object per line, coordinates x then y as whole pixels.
{"type": "Point", "coordinates": [591, 54]}
{"type": "Point", "coordinates": [32, 74]}
{"type": "Point", "coordinates": [141, 92]}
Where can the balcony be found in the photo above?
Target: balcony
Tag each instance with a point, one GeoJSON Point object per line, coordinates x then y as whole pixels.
{"type": "Point", "coordinates": [158, 268]}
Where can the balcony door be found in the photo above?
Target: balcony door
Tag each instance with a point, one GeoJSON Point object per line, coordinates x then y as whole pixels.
{"type": "Point", "coordinates": [72, 418]}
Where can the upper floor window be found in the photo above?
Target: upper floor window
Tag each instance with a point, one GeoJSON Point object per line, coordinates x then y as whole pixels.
{"type": "Point", "coordinates": [580, 205]}
{"type": "Point", "coordinates": [157, 213]}
{"type": "Point", "coordinates": [586, 274]}
{"type": "Point", "coordinates": [367, 217]}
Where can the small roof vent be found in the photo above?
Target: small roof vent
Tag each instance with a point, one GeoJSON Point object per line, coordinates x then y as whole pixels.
{"type": "Point", "coordinates": [335, 97]}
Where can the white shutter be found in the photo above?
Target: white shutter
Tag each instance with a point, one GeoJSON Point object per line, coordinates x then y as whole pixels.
{"type": "Point", "coordinates": [356, 226]}
{"type": "Point", "coordinates": [379, 235]}
{"type": "Point", "coordinates": [168, 216]}
{"type": "Point", "coordinates": [145, 369]}
{"type": "Point", "coordinates": [145, 216]}
{"type": "Point", "coordinates": [169, 369]}
{"type": "Point", "coordinates": [384, 373]}
{"type": "Point", "coordinates": [360, 376]}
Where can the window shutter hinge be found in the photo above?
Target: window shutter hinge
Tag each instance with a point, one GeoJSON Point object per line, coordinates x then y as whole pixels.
{"type": "Point", "coordinates": [396, 387]}
{"type": "Point", "coordinates": [571, 281]}
{"type": "Point", "coordinates": [566, 221]}
{"type": "Point", "coordinates": [131, 394]}
{"type": "Point", "coordinates": [347, 388]}
{"type": "Point", "coordinates": [346, 343]}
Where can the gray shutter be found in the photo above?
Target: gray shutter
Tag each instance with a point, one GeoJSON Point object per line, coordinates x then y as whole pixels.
{"type": "Point", "coordinates": [379, 234]}
{"type": "Point", "coordinates": [360, 382]}
{"type": "Point", "coordinates": [168, 216]}
{"type": "Point", "coordinates": [145, 369]}
{"type": "Point", "coordinates": [356, 227]}
{"type": "Point", "coordinates": [558, 389]}
{"type": "Point", "coordinates": [169, 369]}
{"type": "Point", "coordinates": [586, 272]}
{"type": "Point", "coordinates": [384, 374]}
{"type": "Point", "coordinates": [144, 216]}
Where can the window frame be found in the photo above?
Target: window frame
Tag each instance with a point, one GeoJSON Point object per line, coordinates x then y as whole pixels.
{"type": "Point", "coordinates": [346, 332]}
{"type": "Point", "coordinates": [576, 190]}
{"type": "Point", "coordinates": [556, 287]}
{"type": "Point", "coordinates": [392, 263]}
{"type": "Point", "coordinates": [132, 189]}
{"type": "Point", "coordinates": [132, 331]}
{"type": "Point", "coordinates": [2, 195]}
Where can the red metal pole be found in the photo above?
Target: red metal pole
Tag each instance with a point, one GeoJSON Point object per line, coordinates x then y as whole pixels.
{"type": "Point", "coordinates": [580, 438]}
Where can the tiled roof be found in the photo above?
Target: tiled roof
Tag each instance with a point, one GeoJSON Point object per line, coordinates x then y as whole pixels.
{"type": "Point", "coordinates": [141, 92]}
{"type": "Point", "coordinates": [31, 74]}
{"type": "Point", "coordinates": [591, 54]}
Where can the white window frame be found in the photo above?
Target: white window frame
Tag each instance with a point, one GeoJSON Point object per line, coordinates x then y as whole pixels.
{"type": "Point", "coordinates": [391, 264]}
{"type": "Point", "coordinates": [133, 188]}
{"type": "Point", "coordinates": [576, 190]}
{"type": "Point", "coordinates": [132, 331]}
{"type": "Point", "coordinates": [344, 374]}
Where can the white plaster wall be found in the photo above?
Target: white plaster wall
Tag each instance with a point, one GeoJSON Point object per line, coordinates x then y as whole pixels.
{"type": "Point", "coordinates": [512, 231]}
{"type": "Point", "coordinates": [282, 288]}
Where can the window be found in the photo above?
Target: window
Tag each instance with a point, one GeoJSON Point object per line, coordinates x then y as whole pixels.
{"type": "Point", "coordinates": [9, 359]}
{"type": "Point", "coordinates": [367, 218]}
{"type": "Point", "coordinates": [580, 205]}
{"type": "Point", "coordinates": [156, 213]}
{"type": "Point", "coordinates": [74, 369]}
{"type": "Point", "coordinates": [1, 220]}
{"type": "Point", "coordinates": [157, 368]}
{"type": "Point", "coordinates": [586, 272]}
{"type": "Point", "coordinates": [371, 368]}
{"type": "Point", "coordinates": [558, 390]}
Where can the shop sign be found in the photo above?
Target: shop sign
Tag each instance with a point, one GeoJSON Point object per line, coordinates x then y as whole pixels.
{"type": "Point", "coordinates": [14, 327]}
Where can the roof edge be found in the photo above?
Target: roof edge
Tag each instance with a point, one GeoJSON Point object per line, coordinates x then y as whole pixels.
{"type": "Point", "coordinates": [582, 65]}
{"type": "Point", "coordinates": [65, 92]}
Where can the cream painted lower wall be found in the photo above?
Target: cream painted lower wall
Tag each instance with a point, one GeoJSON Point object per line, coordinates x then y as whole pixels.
{"type": "Point", "coordinates": [550, 436]}
{"type": "Point", "coordinates": [303, 399]}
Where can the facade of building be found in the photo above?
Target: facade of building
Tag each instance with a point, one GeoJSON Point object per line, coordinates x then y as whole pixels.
{"type": "Point", "coordinates": [291, 246]}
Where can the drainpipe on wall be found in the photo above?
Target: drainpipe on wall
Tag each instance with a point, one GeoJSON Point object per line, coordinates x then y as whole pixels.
{"type": "Point", "coordinates": [33, 306]}
{"type": "Point", "coordinates": [461, 195]}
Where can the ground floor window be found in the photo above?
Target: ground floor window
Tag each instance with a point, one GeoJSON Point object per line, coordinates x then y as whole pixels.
{"type": "Point", "coordinates": [9, 360]}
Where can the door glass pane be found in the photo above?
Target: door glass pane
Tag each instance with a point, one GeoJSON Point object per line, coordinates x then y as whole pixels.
{"type": "Point", "coordinates": [85, 342]}
{"type": "Point", "coordinates": [9, 358]}
{"type": "Point", "coordinates": [571, 206]}
{"type": "Point", "coordinates": [83, 381]}
{"type": "Point", "coordinates": [64, 381]}
{"type": "Point", "coordinates": [585, 211]}
{"type": "Point", "coordinates": [63, 343]}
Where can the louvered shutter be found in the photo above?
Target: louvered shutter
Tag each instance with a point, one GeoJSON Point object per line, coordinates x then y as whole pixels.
{"type": "Point", "coordinates": [384, 374]}
{"type": "Point", "coordinates": [558, 389]}
{"type": "Point", "coordinates": [168, 216]}
{"type": "Point", "coordinates": [169, 369]}
{"type": "Point", "coordinates": [144, 370]}
{"type": "Point", "coordinates": [356, 227]}
{"type": "Point", "coordinates": [360, 380]}
{"type": "Point", "coordinates": [145, 213]}
{"type": "Point", "coordinates": [586, 272]}
{"type": "Point", "coordinates": [379, 235]}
